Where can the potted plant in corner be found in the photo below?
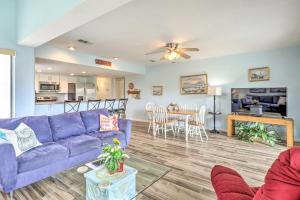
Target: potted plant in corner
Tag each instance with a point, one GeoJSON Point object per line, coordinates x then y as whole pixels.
{"type": "Point", "coordinates": [256, 132]}
{"type": "Point", "coordinates": [114, 157]}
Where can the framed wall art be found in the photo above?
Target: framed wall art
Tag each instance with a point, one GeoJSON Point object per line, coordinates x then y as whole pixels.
{"type": "Point", "coordinates": [259, 74]}
{"type": "Point", "coordinates": [193, 84]}
{"type": "Point", "coordinates": [157, 90]}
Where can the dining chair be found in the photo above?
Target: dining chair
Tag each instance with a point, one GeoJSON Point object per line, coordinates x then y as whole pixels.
{"type": "Point", "coordinates": [198, 122]}
{"type": "Point", "coordinates": [71, 106]}
{"type": "Point", "coordinates": [109, 105]}
{"type": "Point", "coordinates": [162, 121]}
{"type": "Point", "coordinates": [150, 112]}
{"type": "Point", "coordinates": [93, 104]}
{"type": "Point", "coordinates": [181, 119]}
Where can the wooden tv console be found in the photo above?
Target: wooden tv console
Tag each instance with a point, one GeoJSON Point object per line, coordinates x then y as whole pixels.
{"type": "Point", "coordinates": [287, 122]}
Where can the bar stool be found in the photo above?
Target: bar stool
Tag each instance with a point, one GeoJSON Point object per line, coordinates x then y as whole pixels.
{"type": "Point", "coordinates": [71, 106]}
{"type": "Point", "coordinates": [122, 107]}
{"type": "Point", "coordinates": [109, 105]}
{"type": "Point", "coordinates": [93, 104]}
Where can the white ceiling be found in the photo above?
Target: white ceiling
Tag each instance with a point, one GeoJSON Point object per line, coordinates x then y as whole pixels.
{"type": "Point", "coordinates": [216, 27]}
{"type": "Point", "coordinates": [56, 67]}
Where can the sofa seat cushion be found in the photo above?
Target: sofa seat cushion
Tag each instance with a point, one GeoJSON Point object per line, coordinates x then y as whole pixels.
{"type": "Point", "coordinates": [66, 125]}
{"type": "Point", "coordinates": [107, 137]}
{"type": "Point", "coordinates": [41, 156]}
{"type": "Point", "coordinates": [80, 144]}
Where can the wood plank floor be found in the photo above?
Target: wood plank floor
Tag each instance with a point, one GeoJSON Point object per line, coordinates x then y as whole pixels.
{"type": "Point", "coordinates": [190, 165]}
{"type": "Point", "coordinates": [192, 162]}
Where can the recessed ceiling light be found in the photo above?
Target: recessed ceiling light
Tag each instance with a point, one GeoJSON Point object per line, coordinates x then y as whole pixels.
{"type": "Point", "coordinates": [72, 74]}
{"type": "Point", "coordinates": [72, 48]}
{"type": "Point", "coordinates": [116, 58]}
{"type": "Point", "coordinates": [39, 70]}
{"type": "Point", "coordinates": [83, 72]}
{"type": "Point", "coordinates": [49, 68]}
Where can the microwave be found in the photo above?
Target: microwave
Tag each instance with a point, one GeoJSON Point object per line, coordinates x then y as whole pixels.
{"type": "Point", "coordinates": [49, 87]}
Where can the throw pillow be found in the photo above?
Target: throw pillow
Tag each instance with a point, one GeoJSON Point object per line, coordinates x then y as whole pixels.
{"type": "Point", "coordinates": [22, 138]}
{"type": "Point", "coordinates": [109, 123]}
{"type": "Point", "coordinates": [3, 136]}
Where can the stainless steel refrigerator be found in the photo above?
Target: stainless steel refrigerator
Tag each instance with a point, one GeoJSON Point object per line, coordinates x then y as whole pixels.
{"type": "Point", "coordinates": [85, 91]}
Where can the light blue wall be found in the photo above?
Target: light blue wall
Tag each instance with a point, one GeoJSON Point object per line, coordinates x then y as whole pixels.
{"type": "Point", "coordinates": [32, 14]}
{"type": "Point", "coordinates": [7, 22]}
{"type": "Point", "coordinates": [228, 72]}
{"type": "Point", "coordinates": [23, 91]}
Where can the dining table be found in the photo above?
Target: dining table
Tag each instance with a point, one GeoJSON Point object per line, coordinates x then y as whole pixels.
{"type": "Point", "coordinates": [186, 115]}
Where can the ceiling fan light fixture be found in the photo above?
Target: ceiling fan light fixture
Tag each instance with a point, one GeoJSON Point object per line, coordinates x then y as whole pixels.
{"type": "Point", "coordinates": [72, 48]}
{"type": "Point", "coordinates": [172, 55]}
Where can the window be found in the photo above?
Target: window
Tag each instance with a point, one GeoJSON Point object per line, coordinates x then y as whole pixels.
{"type": "Point", "coordinates": [5, 85]}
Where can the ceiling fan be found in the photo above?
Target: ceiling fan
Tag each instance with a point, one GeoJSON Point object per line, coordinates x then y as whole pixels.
{"type": "Point", "coordinates": [173, 51]}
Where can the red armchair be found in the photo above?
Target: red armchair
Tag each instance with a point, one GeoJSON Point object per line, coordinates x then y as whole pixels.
{"type": "Point", "coordinates": [282, 181]}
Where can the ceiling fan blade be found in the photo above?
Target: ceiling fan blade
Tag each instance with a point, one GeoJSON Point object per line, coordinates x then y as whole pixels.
{"type": "Point", "coordinates": [189, 49]}
{"type": "Point", "coordinates": [184, 55]}
{"type": "Point", "coordinates": [160, 50]}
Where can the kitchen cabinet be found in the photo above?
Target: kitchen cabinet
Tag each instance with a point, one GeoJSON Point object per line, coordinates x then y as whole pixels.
{"type": "Point", "coordinates": [64, 81]}
{"type": "Point", "coordinates": [72, 79]}
{"type": "Point", "coordinates": [55, 108]}
{"type": "Point", "coordinates": [81, 79]}
{"type": "Point", "coordinates": [49, 78]}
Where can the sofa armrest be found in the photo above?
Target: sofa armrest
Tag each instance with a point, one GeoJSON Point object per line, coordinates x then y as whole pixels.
{"type": "Point", "coordinates": [125, 126]}
{"type": "Point", "coordinates": [229, 185]}
{"type": "Point", "coordinates": [8, 167]}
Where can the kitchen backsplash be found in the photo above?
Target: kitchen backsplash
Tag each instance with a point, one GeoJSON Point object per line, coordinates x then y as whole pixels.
{"type": "Point", "coordinates": [60, 97]}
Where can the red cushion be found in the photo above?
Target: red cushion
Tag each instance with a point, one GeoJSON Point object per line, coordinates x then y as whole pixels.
{"type": "Point", "coordinates": [229, 185]}
{"type": "Point", "coordinates": [282, 181]}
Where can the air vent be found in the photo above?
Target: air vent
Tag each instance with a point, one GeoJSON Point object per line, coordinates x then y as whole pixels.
{"type": "Point", "coordinates": [84, 41]}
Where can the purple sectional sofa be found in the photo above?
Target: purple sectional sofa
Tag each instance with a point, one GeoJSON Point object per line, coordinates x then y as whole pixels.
{"type": "Point", "coordinates": [68, 141]}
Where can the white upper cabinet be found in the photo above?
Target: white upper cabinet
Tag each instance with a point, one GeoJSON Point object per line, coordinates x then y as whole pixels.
{"type": "Point", "coordinates": [72, 79]}
{"type": "Point", "coordinates": [64, 81]}
{"type": "Point", "coordinates": [81, 79]}
{"type": "Point", "coordinates": [51, 78]}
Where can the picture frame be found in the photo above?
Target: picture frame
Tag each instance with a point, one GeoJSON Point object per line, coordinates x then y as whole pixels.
{"type": "Point", "coordinates": [259, 74]}
{"type": "Point", "coordinates": [193, 84]}
{"type": "Point", "coordinates": [157, 90]}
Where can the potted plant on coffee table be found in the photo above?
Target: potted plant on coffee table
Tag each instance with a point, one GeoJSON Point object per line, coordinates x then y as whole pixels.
{"type": "Point", "coordinates": [114, 157]}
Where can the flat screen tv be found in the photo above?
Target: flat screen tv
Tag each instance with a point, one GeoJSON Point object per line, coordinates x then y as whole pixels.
{"type": "Point", "coordinates": [270, 100]}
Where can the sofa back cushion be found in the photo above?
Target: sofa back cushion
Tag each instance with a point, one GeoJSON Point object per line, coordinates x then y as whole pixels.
{"type": "Point", "coordinates": [41, 127]}
{"type": "Point", "coordinates": [10, 124]}
{"type": "Point", "coordinates": [66, 125]}
{"type": "Point", "coordinates": [91, 119]}
{"type": "Point", "coordinates": [39, 124]}
{"type": "Point", "coordinates": [266, 99]}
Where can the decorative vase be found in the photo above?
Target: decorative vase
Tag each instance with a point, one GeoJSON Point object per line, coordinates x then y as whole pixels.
{"type": "Point", "coordinates": [121, 169]}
